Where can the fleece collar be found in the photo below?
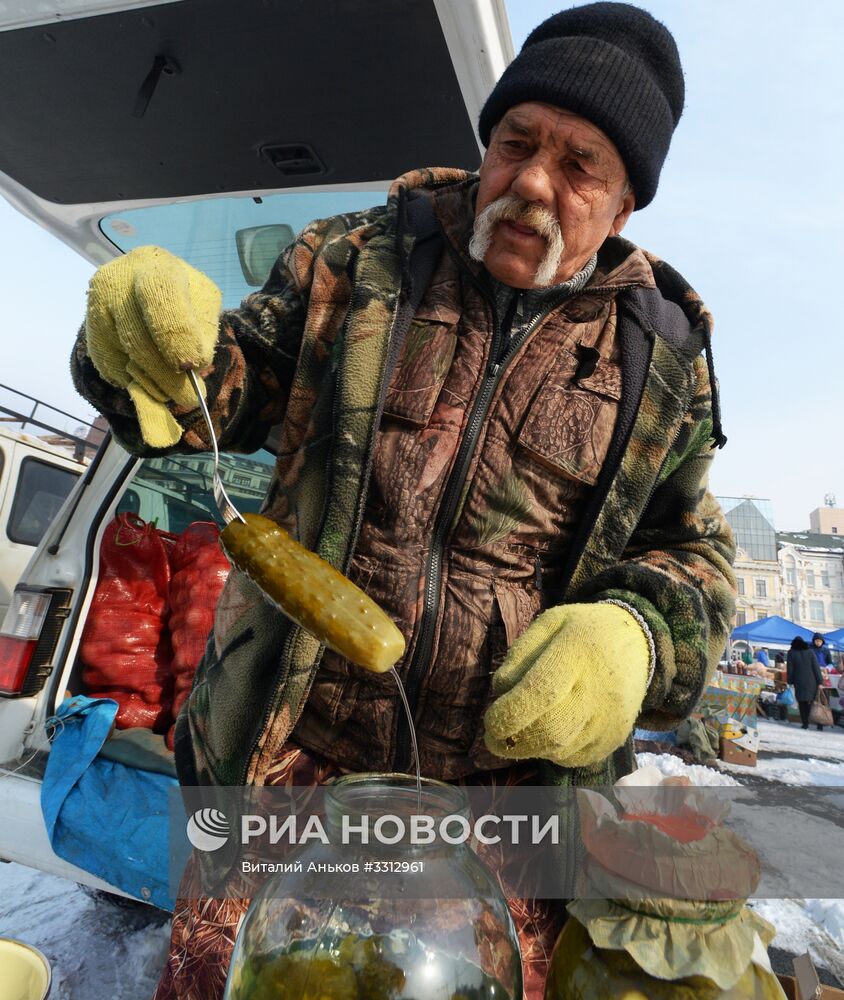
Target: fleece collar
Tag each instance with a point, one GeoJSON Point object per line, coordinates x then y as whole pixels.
{"type": "Point", "coordinates": [621, 264]}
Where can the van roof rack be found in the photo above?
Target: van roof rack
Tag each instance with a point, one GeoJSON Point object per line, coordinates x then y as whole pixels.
{"type": "Point", "coordinates": [78, 445]}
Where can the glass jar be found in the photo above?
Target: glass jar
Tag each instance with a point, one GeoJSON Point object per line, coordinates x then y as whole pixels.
{"type": "Point", "coordinates": [580, 971]}
{"type": "Point", "coordinates": [440, 930]}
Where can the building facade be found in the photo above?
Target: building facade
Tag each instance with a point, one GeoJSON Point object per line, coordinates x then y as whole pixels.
{"type": "Point", "coordinates": [757, 568]}
{"type": "Point", "coordinates": [799, 575]}
{"type": "Point", "coordinates": [812, 567]}
{"type": "Point", "coordinates": [827, 521]}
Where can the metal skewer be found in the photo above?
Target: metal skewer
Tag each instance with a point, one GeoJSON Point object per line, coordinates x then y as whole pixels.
{"type": "Point", "coordinates": [227, 509]}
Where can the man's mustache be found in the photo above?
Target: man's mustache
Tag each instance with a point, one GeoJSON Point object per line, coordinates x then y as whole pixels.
{"type": "Point", "coordinates": [512, 208]}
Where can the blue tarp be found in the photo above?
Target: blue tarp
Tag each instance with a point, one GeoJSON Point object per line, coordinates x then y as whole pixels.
{"type": "Point", "coordinates": [658, 736]}
{"type": "Point", "coordinates": [771, 631]}
{"type": "Point", "coordinates": [106, 818]}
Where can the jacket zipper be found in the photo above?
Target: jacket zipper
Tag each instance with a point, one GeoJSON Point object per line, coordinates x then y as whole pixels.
{"type": "Point", "coordinates": [448, 508]}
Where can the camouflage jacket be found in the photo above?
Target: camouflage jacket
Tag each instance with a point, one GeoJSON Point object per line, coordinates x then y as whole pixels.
{"type": "Point", "coordinates": [315, 351]}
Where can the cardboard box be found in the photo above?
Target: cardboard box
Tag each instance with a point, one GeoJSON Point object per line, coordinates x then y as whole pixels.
{"type": "Point", "coordinates": [805, 984]}
{"type": "Point", "coordinates": [732, 753]}
{"type": "Point", "coordinates": [749, 741]}
{"type": "Point", "coordinates": [789, 985]}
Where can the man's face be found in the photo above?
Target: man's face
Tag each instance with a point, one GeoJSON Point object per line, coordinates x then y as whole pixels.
{"type": "Point", "coordinates": [560, 164]}
{"type": "Point", "coordinates": [818, 642]}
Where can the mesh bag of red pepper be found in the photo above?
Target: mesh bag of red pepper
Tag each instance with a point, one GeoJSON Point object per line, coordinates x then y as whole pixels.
{"type": "Point", "coordinates": [199, 569]}
{"type": "Point", "coordinates": [125, 649]}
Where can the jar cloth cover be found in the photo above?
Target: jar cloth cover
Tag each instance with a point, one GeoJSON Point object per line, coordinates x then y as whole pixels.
{"type": "Point", "coordinates": [582, 971]}
{"type": "Point", "coordinates": [675, 939]}
{"type": "Point", "coordinates": [662, 909]}
{"type": "Point", "coordinates": [670, 841]}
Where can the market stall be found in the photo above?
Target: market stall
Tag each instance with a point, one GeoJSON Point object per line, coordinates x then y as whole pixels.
{"type": "Point", "coordinates": [732, 695]}
{"type": "Point", "coordinates": [772, 631]}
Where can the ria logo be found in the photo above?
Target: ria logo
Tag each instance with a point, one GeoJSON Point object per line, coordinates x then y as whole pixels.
{"type": "Point", "coordinates": [208, 829]}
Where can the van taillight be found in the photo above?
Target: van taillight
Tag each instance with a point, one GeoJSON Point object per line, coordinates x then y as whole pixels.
{"type": "Point", "coordinates": [19, 637]}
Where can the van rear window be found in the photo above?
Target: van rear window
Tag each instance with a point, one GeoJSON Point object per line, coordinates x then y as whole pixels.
{"type": "Point", "coordinates": [174, 491]}
{"type": "Point", "coordinates": [226, 237]}
{"type": "Point", "coordinates": [41, 490]}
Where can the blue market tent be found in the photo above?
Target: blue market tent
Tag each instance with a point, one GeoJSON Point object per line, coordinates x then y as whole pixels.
{"type": "Point", "coordinates": [771, 631]}
{"type": "Point", "coordinates": [835, 640]}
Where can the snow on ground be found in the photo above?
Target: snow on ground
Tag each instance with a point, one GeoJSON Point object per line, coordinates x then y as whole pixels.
{"type": "Point", "coordinates": [829, 914]}
{"type": "Point", "coordinates": [793, 771]}
{"type": "Point", "coordinates": [789, 737]}
{"type": "Point", "coordinates": [796, 930]}
{"type": "Point", "coordinates": [673, 766]}
{"type": "Point", "coordinates": [98, 951]}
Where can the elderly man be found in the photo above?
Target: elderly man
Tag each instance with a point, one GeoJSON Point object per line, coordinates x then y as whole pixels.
{"type": "Point", "coordinates": [497, 417]}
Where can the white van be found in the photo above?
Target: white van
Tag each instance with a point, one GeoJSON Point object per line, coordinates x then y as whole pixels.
{"type": "Point", "coordinates": [35, 480]}
{"type": "Point", "coordinates": [217, 130]}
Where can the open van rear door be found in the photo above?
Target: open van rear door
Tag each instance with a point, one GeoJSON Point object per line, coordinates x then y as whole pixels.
{"type": "Point", "coordinates": [196, 125]}
{"type": "Point", "coordinates": [121, 104]}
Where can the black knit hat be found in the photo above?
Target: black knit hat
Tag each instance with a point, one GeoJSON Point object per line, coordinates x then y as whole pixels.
{"type": "Point", "coordinates": [613, 64]}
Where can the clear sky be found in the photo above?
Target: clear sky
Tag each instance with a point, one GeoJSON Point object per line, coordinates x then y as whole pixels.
{"type": "Point", "coordinates": [749, 210]}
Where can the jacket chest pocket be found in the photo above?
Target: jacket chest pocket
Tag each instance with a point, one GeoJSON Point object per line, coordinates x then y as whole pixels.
{"type": "Point", "coordinates": [421, 370]}
{"type": "Point", "coordinates": [570, 424]}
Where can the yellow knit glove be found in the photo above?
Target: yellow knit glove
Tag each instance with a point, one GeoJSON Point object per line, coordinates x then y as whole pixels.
{"type": "Point", "coordinates": [571, 686]}
{"type": "Point", "coordinates": [150, 317]}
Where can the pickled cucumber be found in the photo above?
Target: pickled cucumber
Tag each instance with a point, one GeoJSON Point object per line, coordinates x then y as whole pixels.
{"type": "Point", "coordinates": [313, 593]}
{"type": "Point", "coordinates": [360, 968]}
